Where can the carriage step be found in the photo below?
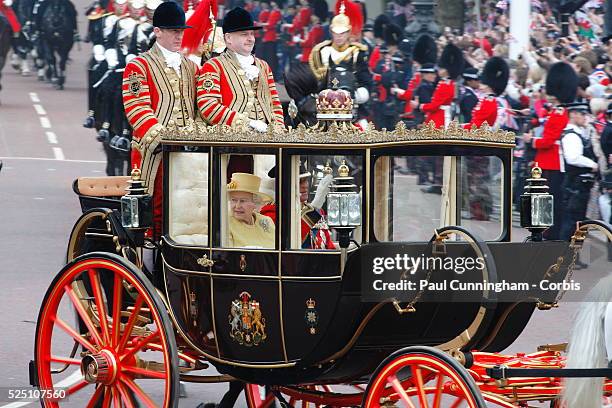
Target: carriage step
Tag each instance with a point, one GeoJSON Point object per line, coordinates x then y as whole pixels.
{"type": "Point", "coordinates": [502, 372]}
{"type": "Point", "coordinates": [33, 373]}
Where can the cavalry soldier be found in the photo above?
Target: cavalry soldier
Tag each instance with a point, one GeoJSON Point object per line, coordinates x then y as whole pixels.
{"type": "Point", "coordinates": [340, 51]}
{"type": "Point", "coordinates": [581, 168]}
{"type": "Point", "coordinates": [561, 87]}
{"type": "Point", "coordinates": [494, 80]}
{"type": "Point", "coordinates": [235, 88]}
{"type": "Point", "coordinates": [205, 40]}
{"type": "Point", "coordinates": [159, 89]}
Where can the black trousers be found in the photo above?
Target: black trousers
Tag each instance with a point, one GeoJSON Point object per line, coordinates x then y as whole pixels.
{"type": "Point", "coordinates": [555, 184]}
{"type": "Point", "coordinates": [576, 195]}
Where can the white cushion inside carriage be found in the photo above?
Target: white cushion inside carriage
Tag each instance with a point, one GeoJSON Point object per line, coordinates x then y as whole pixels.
{"type": "Point", "coordinates": [188, 198]}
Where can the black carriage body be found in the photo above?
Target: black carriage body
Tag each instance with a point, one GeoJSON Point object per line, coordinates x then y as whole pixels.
{"type": "Point", "coordinates": [351, 336]}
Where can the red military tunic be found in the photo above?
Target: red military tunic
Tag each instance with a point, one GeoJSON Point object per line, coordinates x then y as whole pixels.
{"type": "Point", "coordinates": [547, 147]}
{"type": "Point", "coordinates": [226, 96]}
{"type": "Point", "coordinates": [406, 96]}
{"type": "Point", "coordinates": [484, 112]}
{"type": "Point", "coordinates": [155, 96]}
{"type": "Point", "coordinates": [442, 96]}
{"type": "Point", "coordinates": [316, 34]}
{"type": "Point", "coordinates": [269, 26]}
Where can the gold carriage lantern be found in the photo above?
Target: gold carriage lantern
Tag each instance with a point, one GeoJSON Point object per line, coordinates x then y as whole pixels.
{"type": "Point", "coordinates": [536, 205]}
{"type": "Point", "coordinates": [344, 205]}
{"type": "Point", "coordinates": [136, 210]}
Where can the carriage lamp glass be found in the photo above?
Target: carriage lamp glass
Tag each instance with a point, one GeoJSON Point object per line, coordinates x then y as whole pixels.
{"type": "Point", "coordinates": [542, 210]}
{"type": "Point", "coordinates": [129, 212]}
{"type": "Point", "coordinates": [343, 209]}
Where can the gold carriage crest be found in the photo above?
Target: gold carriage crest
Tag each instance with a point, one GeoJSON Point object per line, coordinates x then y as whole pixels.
{"type": "Point", "coordinates": [247, 326]}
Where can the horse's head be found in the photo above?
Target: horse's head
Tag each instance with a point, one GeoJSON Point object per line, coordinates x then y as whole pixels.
{"type": "Point", "coordinates": [302, 87]}
{"type": "Point", "coordinates": [340, 76]}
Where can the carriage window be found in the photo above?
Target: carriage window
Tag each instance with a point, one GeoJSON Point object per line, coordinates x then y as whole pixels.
{"type": "Point", "coordinates": [188, 199]}
{"type": "Point", "coordinates": [415, 195]}
{"type": "Point", "coordinates": [247, 207]}
{"type": "Point", "coordinates": [313, 177]}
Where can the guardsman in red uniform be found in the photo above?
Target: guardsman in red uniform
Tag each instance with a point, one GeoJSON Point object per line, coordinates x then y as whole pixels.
{"type": "Point", "coordinates": [493, 82]}
{"type": "Point", "coordinates": [561, 87]}
{"type": "Point", "coordinates": [236, 88]}
{"type": "Point", "coordinates": [159, 90]}
{"type": "Point", "coordinates": [450, 67]}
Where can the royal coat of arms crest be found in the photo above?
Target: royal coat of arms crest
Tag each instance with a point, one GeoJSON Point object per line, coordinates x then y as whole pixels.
{"type": "Point", "coordinates": [247, 325]}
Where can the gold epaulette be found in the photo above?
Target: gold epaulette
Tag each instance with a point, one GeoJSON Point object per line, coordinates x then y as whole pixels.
{"type": "Point", "coordinates": [360, 46]}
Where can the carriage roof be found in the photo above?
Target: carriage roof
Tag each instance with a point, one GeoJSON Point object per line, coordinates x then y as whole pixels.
{"type": "Point", "coordinates": [338, 136]}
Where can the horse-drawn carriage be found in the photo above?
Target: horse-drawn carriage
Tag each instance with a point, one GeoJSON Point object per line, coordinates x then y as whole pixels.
{"type": "Point", "coordinates": [297, 324]}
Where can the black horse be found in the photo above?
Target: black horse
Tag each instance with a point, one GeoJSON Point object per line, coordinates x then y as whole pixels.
{"type": "Point", "coordinates": [57, 25]}
{"type": "Point", "coordinates": [6, 33]}
{"type": "Point", "coordinates": [302, 87]}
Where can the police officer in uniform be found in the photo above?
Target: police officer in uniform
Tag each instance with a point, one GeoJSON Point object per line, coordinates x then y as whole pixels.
{"type": "Point", "coordinates": [581, 168]}
{"type": "Point", "coordinates": [469, 97]}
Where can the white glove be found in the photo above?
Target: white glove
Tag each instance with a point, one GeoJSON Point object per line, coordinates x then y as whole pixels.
{"type": "Point", "coordinates": [361, 95]}
{"type": "Point", "coordinates": [98, 52]}
{"type": "Point", "coordinates": [111, 57]}
{"type": "Point", "coordinates": [322, 190]}
{"type": "Point", "coordinates": [129, 57]}
{"type": "Point", "coordinates": [258, 125]}
{"type": "Point", "coordinates": [8, 3]}
{"type": "Point", "coordinates": [297, 39]}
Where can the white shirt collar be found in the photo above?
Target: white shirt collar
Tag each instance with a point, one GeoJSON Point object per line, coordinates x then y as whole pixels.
{"type": "Point", "coordinates": [173, 59]}
{"type": "Point", "coordinates": [247, 63]}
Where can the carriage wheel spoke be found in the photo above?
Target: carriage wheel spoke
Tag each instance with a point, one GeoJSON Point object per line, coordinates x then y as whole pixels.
{"type": "Point", "coordinates": [116, 398]}
{"type": "Point", "coordinates": [125, 396]}
{"type": "Point", "coordinates": [438, 395]}
{"type": "Point", "coordinates": [130, 324]}
{"type": "Point", "coordinates": [399, 389]}
{"type": "Point", "coordinates": [93, 401]}
{"type": "Point", "coordinates": [82, 340]}
{"type": "Point", "coordinates": [144, 372]}
{"type": "Point", "coordinates": [77, 387]}
{"type": "Point", "coordinates": [457, 402]}
{"type": "Point", "coordinates": [65, 360]}
{"type": "Point", "coordinates": [269, 401]}
{"type": "Point", "coordinates": [94, 278]}
{"type": "Point", "coordinates": [107, 398]}
{"type": "Point", "coordinates": [417, 374]}
{"type": "Point", "coordinates": [138, 391]}
{"type": "Point", "coordinates": [139, 345]}
{"type": "Point", "coordinates": [84, 315]}
{"type": "Point", "coordinates": [117, 302]}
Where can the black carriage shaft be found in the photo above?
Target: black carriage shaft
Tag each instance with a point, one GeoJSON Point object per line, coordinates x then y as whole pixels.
{"type": "Point", "coordinates": [502, 372]}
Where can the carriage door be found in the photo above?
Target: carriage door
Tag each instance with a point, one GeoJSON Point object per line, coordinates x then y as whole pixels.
{"type": "Point", "coordinates": [311, 265]}
{"type": "Point", "coordinates": [245, 252]}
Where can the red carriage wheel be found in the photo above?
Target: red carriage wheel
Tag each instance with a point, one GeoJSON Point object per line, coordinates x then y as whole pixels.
{"type": "Point", "coordinates": [127, 354]}
{"type": "Point", "coordinates": [422, 377]}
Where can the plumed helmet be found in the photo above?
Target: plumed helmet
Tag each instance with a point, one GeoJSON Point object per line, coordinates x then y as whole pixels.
{"type": "Point", "coordinates": [562, 82]}
{"type": "Point", "coordinates": [495, 74]}
{"type": "Point", "coordinates": [393, 34]}
{"type": "Point", "coordinates": [379, 25]}
{"type": "Point", "coordinates": [425, 50]}
{"type": "Point", "coordinates": [452, 60]}
{"type": "Point", "coordinates": [349, 16]}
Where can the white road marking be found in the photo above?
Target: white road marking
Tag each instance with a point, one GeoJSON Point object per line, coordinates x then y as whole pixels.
{"type": "Point", "coordinates": [39, 109]}
{"type": "Point", "coordinates": [34, 97]}
{"type": "Point", "coordinates": [65, 383]}
{"type": "Point", "coordinates": [39, 198]}
{"type": "Point", "coordinates": [44, 122]}
{"type": "Point", "coordinates": [58, 153]}
{"type": "Point", "coordinates": [51, 169]}
{"type": "Point", "coordinates": [51, 137]}
{"type": "Point", "coordinates": [47, 158]}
